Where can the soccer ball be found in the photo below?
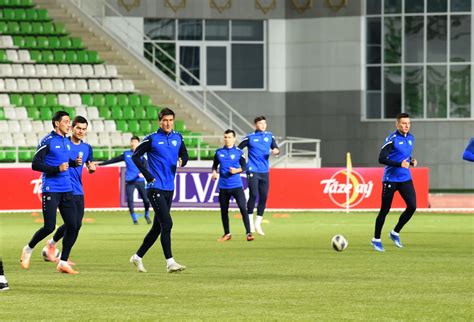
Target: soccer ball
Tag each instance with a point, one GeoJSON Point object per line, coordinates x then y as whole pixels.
{"type": "Point", "coordinates": [339, 243]}
{"type": "Point", "coordinates": [44, 253]}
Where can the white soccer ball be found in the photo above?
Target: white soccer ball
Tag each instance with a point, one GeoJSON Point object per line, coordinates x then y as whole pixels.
{"type": "Point", "coordinates": [339, 243]}
{"type": "Point", "coordinates": [44, 253]}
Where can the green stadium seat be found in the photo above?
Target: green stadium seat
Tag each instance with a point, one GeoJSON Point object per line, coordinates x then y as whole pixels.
{"type": "Point", "coordinates": [30, 42]}
{"type": "Point", "coordinates": [145, 100]}
{"type": "Point", "coordinates": [54, 43]}
{"type": "Point", "coordinates": [31, 14]}
{"type": "Point", "coordinates": [16, 99]}
{"type": "Point", "coordinates": [42, 15]}
{"type": "Point", "coordinates": [179, 126]}
{"type": "Point", "coordinates": [140, 113]}
{"type": "Point", "coordinates": [33, 112]}
{"type": "Point", "coordinates": [39, 100]}
{"type": "Point", "coordinates": [99, 100]}
{"type": "Point", "coordinates": [99, 154]}
{"type": "Point", "coordinates": [19, 41]}
{"type": "Point", "coordinates": [26, 28]}
{"type": "Point", "coordinates": [134, 100]}
{"type": "Point", "coordinates": [37, 28]}
{"type": "Point", "coordinates": [59, 56]}
{"type": "Point", "coordinates": [51, 99]}
{"type": "Point", "coordinates": [117, 113]}
{"type": "Point", "coordinates": [35, 55]}
{"type": "Point", "coordinates": [3, 27]}
{"type": "Point", "coordinates": [197, 137]}
{"type": "Point", "coordinates": [76, 43]}
{"type": "Point", "coordinates": [145, 126]}
{"type": "Point", "coordinates": [10, 154]}
{"type": "Point", "coordinates": [71, 111]}
{"type": "Point", "coordinates": [65, 43]}
{"type": "Point", "coordinates": [3, 56]}
{"type": "Point", "coordinates": [14, 3]}
{"type": "Point", "coordinates": [42, 42]}
{"type": "Point", "coordinates": [92, 57]}
{"type": "Point", "coordinates": [13, 27]}
{"type": "Point", "coordinates": [25, 155]}
{"type": "Point", "coordinates": [46, 113]}
{"type": "Point", "coordinates": [48, 28]}
{"type": "Point", "coordinates": [2, 113]}
{"type": "Point", "coordinates": [20, 14]}
{"type": "Point", "coordinates": [133, 126]}
{"type": "Point", "coordinates": [28, 100]}
{"type": "Point", "coordinates": [81, 56]}
{"type": "Point", "coordinates": [71, 57]}
{"type": "Point", "coordinates": [110, 100]}
{"type": "Point", "coordinates": [192, 153]}
{"type": "Point", "coordinates": [47, 56]}
{"type": "Point", "coordinates": [122, 100]}
{"type": "Point", "coordinates": [152, 112]}
{"type": "Point", "coordinates": [122, 125]}
{"type": "Point", "coordinates": [204, 153]}
{"type": "Point", "coordinates": [8, 14]}
{"type": "Point", "coordinates": [27, 3]}
{"type": "Point", "coordinates": [128, 113]}
{"type": "Point", "coordinates": [105, 112]}
{"type": "Point", "coordinates": [87, 99]}
{"type": "Point", "coordinates": [59, 29]}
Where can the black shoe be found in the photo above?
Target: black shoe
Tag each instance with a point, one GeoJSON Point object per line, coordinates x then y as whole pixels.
{"type": "Point", "coordinates": [148, 220]}
{"type": "Point", "coordinates": [135, 222]}
{"type": "Point", "coordinates": [4, 287]}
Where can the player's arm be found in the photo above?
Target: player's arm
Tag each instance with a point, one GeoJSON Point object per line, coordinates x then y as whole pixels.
{"type": "Point", "coordinates": [242, 168]}
{"type": "Point", "coordinates": [90, 164]}
{"type": "Point", "coordinates": [468, 154]}
{"type": "Point", "coordinates": [244, 143]}
{"type": "Point", "coordinates": [183, 156]}
{"type": "Point", "coordinates": [113, 160]}
{"type": "Point", "coordinates": [215, 164]}
{"type": "Point", "coordinates": [38, 163]}
{"type": "Point", "coordinates": [142, 148]}
{"type": "Point", "coordinates": [385, 152]}
{"type": "Point", "coordinates": [274, 147]}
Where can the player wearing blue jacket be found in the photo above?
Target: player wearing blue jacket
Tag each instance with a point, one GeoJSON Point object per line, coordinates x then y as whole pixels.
{"type": "Point", "coordinates": [259, 144]}
{"type": "Point", "coordinates": [133, 179]}
{"type": "Point", "coordinates": [165, 150]}
{"type": "Point", "coordinates": [396, 154]}
{"type": "Point", "coordinates": [80, 150]}
{"type": "Point", "coordinates": [231, 163]}
{"type": "Point", "coordinates": [52, 157]}
{"type": "Point", "coordinates": [468, 154]}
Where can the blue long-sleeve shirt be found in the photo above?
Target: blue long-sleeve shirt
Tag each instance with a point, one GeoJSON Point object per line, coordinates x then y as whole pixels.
{"type": "Point", "coordinates": [468, 154]}
{"type": "Point", "coordinates": [132, 172]}
{"type": "Point", "coordinates": [229, 158]}
{"type": "Point", "coordinates": [397, 147]}
{"type": "Point", "coordinates": [76, 172]}
{"type": "Point", "coordinates": [163, 150]}
{"type": "Point", "coordinates": [259, 144]}
{"type": "Point", "coordinates": [53, 150]}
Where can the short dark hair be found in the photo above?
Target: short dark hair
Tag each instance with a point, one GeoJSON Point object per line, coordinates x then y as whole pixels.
{"type": "Point", "coordinates": [135, 137]}
{"type": "Point", "coordinates": [401, 116]}
{"type": "Point", "coordinates": [58, 116]}
{"type": "Point", "coordinates": [230, 131]}
{"type": "Point", "coordinates": [79, 119]}
{"type": "Point", "coordinates": [258, 119]}
{"type": "Point", "coordinates": [164, 112]}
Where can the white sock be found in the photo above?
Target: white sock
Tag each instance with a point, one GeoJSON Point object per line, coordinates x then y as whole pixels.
{"type": "Point", "coordinates": [258, 221]}
{"type": "Point", "coordinates": [170, 261]}
{"type": "Point", "coordinates": [376, 240]}
{"type": "Point", "coordinates": [52, 242]}
{"type": "Point", "coordinates": [62, 263]}
{"type": "Point", "coordinates": [3, 279]}
{"type": "Point", "coordinates": [394, 233]}
{"type": "Point", "coordinates": [136, 257]}
{"type": "Point", "coordinates": [28, 249]}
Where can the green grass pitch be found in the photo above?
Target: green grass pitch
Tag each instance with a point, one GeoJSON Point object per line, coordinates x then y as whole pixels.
{"type": "Point", "coordinates": [292, 273]}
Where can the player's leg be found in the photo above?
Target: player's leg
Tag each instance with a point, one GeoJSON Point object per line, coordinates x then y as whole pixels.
{"type": "Point", "coordinates": [388, 190]}
{"type": "Point", "coordinates": [263, 187]}
{"type": "Point", "coordinates": [407, 191]}
{"type": "Point", "coordinates": [67, 208]}
{"type": "Point", "coordinates": [3, 279]}
{"type": "Point", "coordinates": [140, 185]}
{"type": "Point", "coordinates": [239, 196]}
{"type": "Point", "coordinates": [224, 199]}
{"type": "Point", "coordinates": [252, 181]}
{"type": "Point", "coordinates": [129, 189]}
{"type": "Point", "coordinates": [50, 205]}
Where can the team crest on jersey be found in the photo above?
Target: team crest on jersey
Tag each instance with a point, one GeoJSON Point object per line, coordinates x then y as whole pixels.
{"type": "Point", "coordinates": [266, 139]}
{"type": "Point", "coordinates": [255, 140]}
{"type": "Point", "coordinates": [409, 142]}
{"type": "Point", "coordinates": [232, 156]}
{"type": "Point", "coordinates": [174, 142]}
{"type": "Point", "coordinates": [68, 147]}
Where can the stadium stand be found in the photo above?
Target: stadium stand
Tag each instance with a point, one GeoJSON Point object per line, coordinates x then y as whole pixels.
{"type": "Point", "coordinates": [43, 69]}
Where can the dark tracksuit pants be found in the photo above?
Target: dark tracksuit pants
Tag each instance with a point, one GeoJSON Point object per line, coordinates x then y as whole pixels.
{"type": "Point", "coordinates": [407, 191]}
{"type": "Point", "coordinates": [162, 222]}
{"type": "Point", "coordinates": [51, 202]}
{"type": "Point", "coordinates": [130, 186]}
{"type": "Point", "coordinates": [224, 200]}
{"type": "Point", "coordinates": [79, 203]}
{"type": "Point", "coordinates": [259, 185]}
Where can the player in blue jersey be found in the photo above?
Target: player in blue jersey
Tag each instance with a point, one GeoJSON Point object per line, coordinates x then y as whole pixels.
{"type": "Point", "coordinates": [52, 158]}
{"type": "Point", "coordinates": [83, 151]}
{"type": "Point", "coordinates": [468, 154]}
{"type": "Point", "coordinates": [260, 145]}
{"type": "Point", "coordinates": [231, 163]}
{"type": "Point", "coordinates": [396, 155]}
{"type": "Point", "coordinates": [133, 179]}
{"type": "Point", "coordinates": [166, 151]}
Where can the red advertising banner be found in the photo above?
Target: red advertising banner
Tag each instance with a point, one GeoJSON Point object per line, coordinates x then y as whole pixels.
{"type": "Point", "coordinates": [22, 188]}
{"type": "Point", "coordinates": [323, 188]}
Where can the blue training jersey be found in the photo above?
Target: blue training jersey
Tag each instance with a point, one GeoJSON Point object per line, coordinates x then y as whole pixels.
{"type": "Point", "coordinates": [53, 150]}
{"type": "Point", "coordinates": [468, 154]}
{"type": "Point", "coordinates": [76, 172]}
{"type": "Point", "coordinates": [227, 158]}
{"type": "Point", "coordinates": [400, 148]}
{"type": "Point", "coordinates": [163, 150]}
{"type": "Point", "coordinates": [132, 173]}
{"type": "Point", "coordinates": [259, 145]}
